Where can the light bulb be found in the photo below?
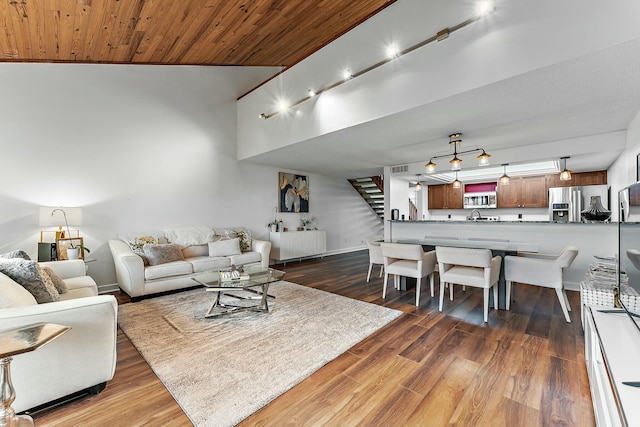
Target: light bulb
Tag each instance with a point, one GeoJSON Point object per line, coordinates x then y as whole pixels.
{"type": "Point", "coordinates": [346, 74]}
{"type": "Point", "coordinates": [393, 51]}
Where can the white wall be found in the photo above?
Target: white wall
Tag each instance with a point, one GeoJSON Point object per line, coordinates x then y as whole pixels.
{"type": "Point", "coordinates": [143, 148]}
{"type": "Point", "coordinates": [623, 171]}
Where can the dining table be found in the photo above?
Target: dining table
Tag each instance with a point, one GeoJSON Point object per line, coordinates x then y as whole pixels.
{"type": "Point", "coordinates": [497, 247]}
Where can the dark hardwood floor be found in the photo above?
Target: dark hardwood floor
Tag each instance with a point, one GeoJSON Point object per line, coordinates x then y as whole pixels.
{"type": "Point", "coordinates": [524, 368]}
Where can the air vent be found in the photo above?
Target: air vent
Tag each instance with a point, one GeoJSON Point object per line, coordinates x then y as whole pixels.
{"type": "Point", "coordinates": [400, 169]}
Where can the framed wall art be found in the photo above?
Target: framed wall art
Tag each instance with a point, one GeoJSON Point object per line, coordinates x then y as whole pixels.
{"type": "Point", "coordinates": [293, 192]}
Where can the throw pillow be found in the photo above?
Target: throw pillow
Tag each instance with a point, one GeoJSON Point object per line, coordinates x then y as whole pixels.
{"type": "Point", "coordinates": [224, 247]}
{"type": "Point", "coordinates": [16, 254]}
{"type": "Point", "coordinates": [137, 243]}
{"type": "Point", "coordinates": [163, 253]}
{"type": "Point", "coordinates": [245, 240]}
{"type": "Point", "coordinates": [57, 281]}
{"type": "Point", "coordinates": [30, 275]}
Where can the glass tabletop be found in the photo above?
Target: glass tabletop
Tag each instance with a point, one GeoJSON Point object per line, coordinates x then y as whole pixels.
{"type": "Point", "coordinates": [250, 276]}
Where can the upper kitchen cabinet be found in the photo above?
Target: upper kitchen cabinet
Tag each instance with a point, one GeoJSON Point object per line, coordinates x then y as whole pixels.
{"type": "Point", "coordinates": [445, 197]}
{"type": "Point", "coordinates": [578, 179]}
{"type": "Point", "coordinates": [527, 192]}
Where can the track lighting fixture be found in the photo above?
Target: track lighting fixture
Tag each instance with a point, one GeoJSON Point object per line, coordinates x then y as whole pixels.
{"type": "Point", "coordinates": [394, 52]}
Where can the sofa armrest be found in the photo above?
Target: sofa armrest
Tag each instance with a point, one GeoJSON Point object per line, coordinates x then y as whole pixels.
{"type": "Point", "coordinates": [129, 268]}
{"type": "Point", "coordinates": [83, 357]}
{"type": "Point", "coordinates": [67, 269]}
{"type": "Point", "coordinates": [264, 248]}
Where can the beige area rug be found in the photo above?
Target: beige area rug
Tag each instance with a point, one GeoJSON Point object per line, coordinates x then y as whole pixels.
{"type": "Point", "coordinates": [222, 370]}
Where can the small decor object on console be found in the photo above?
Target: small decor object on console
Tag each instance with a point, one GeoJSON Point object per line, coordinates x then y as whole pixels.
{"type": "Point", "coordinates": [595, 211]}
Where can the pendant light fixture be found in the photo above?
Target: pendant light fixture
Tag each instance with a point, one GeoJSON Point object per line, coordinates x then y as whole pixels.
{"type": "Point", "coordinates": [456, 162]}
{"type": "Point", "coordinates": [565, 175]}
{"type": "Point", "coordinates": [504, 179]}
{"type": "Point", "coordinates": [457, 183]}
{"type": "Point", "coordinates": [418, 185]}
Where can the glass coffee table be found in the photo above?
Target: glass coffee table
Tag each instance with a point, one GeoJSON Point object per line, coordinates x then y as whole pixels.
{"type": "Point", "coordinates": [252, 285]}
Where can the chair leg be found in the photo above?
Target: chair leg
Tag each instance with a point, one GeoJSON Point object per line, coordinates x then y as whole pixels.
{"type": "Point", "coordinates": [431, 280]}
{"type": "Point", "coordinates": [381, 270]}
{"type": "Point", "coordinates": [442, 284]}
{"type": "Point", "coordinates": [508, 301]}
{"type": "Point", "coordinates": [418, 280]}
{"type": "Point", "coordinates": [451, 291]}
{"type": "Point", "coordinates": [566, 300]}
{"type": "Point", "coordinates": [563, 304]}
{"type": "Point", "coordinates": [369, 273]}
{"type": "Point", "coordinates": [486, 305]}
{"type": "Point", "coordinates": [384, 286]}
{"type": "Point", "coordinates": [495, 296]}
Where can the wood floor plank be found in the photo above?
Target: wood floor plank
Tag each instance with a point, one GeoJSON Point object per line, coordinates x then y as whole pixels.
{"type": "Point", "coordinates": [517, 369]}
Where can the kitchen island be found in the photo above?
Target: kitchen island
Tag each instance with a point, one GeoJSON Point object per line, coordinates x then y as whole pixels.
{"type": "Point", "coordinates": [591, 239]}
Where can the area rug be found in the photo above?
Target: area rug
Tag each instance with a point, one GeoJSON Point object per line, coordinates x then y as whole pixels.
{"type": "Point", "coordinates": [222, 370]}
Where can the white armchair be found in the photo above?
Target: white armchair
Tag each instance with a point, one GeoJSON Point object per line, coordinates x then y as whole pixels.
{"type": "Point", "coordinates": [83, 359]}
{"type": "Point", "coordinates": [407, 260]}
{"type": "Point", "coordinates": [540, 270]}
{"type": "Point", "coordinates": [469, 267]}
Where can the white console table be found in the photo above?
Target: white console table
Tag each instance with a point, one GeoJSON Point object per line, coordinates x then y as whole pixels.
{"type": "Point", "coordinates": [612, 353]}
{"type": "Point", "coordinates": [288, 245]}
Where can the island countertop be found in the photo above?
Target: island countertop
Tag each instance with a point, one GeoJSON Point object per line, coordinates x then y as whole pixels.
{"type": "Point", "coordinates": [591, 239]}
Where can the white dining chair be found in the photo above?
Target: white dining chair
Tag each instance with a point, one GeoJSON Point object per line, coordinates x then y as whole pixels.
{"type": "Point", "coordinates": [408, 260]}
{"type": "Point", "coordinates": [469, 267]}
{"type": "Point", "coordinates": [375, 254]}
{"type": "Point", "coordinates": [540, 270]}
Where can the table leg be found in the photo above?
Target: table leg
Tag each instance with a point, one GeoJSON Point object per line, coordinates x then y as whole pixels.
{"type": "Point", "coordinates": [8, 417]}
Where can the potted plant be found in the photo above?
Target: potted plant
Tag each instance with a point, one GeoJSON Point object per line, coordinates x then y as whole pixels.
{"type": "Point", "coordinates": [306, 221]}
{"type": "Point", "coordinates": [73, 252]}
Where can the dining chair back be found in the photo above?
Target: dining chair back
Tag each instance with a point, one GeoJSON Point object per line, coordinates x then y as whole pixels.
{"type": "Point", "coordinates": [540, 270]}
{"type": "Point", "coordinates": [408, 260]}
{"type": "Point", "coordinates": [375, 254]}
{"type": "Point", "coordinates": [469, 267]}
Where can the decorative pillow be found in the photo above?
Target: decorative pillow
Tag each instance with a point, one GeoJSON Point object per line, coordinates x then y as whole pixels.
{"type": "Point", "coordinates": [195, 251]}
{"type": "Point", "coordinates": [189, 236]}
{"type": "Point", "coordinates": [224, 247]}
{"type": "Point", "coordinates": [245, 240]}
{"type": "Point", "coordinates": [31, 276]}
{"type": "Point", "coordinates": [162, 253]}
{"type": "Point", "coordinates": [57, 281]}
{"type": "Point", "coordinates": [16, 254]}
{"type": "Point", "coordinates": [137, 243]}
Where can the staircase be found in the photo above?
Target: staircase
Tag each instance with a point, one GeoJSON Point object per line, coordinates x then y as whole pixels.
{"type": "Point", "coordinates": [372, 191]}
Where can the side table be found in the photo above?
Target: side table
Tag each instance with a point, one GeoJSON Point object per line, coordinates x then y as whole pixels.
{"type": "Point", "coordinates": [14, 342]}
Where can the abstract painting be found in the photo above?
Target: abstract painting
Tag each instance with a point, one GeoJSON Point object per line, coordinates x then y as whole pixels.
{"type": "Point", "coordinates": [294, 192]}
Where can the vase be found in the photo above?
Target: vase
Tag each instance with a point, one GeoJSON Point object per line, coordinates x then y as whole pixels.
{"type": "Point", "coordinates": [595, 211]}
{"type": "Point", "coordinates": [73, 253]}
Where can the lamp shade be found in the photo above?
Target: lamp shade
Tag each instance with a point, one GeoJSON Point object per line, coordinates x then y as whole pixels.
{"type": "Point", "coordinates": [54, 216]}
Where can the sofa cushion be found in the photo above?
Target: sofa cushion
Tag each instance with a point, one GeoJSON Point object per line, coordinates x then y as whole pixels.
{"type": "Point", "coordinates": [79, 287]}
{"type": "Point", "coordinates": [195, 251]}
{"type": "Point", "coordinates": [224, 247]}
{"type": "Point", "coordinates": [57, 281]}
{"type": "Point", "coordinates": [246, 258]}
{"type": "Point", "coordinates": [162, 253]}
{"type": "Point", "coordinates": [175, 268]}
{"type": "Point", "coordinates": [16, 254]}
{"type": "Point", "coordinates": [13, 294]}
{"type": "Point", "coordinates": [207, 263]}
{"type": "Point", "coordinates": [189, 236]}
{"type": "Point", "coordinates": [30, 275]}
{"type": "Point", "coordinates": [137, 245]}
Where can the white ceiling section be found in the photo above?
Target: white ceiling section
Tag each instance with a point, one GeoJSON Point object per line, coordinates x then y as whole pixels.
{"type": "Point", "coordinates": [532, 81]}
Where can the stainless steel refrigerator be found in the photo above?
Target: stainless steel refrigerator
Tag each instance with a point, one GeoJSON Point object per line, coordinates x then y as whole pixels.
{"type": "Point", "coordinates": [566, 203]}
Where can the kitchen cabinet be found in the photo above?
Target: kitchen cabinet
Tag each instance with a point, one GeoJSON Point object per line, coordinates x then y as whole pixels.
{"type": "Point", "coordinates": [445, 197]}
{"type": "Point", "coordinates": [526, 192]}
{"type": "Point", "coordinates": [582, 178]}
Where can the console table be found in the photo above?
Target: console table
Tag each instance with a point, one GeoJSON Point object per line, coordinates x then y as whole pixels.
{"type": "Point", "coordinates": [288, 245]}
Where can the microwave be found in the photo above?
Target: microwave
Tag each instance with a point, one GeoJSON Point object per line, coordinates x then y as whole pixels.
{"type": "Point", "coordinates": [482, 200]}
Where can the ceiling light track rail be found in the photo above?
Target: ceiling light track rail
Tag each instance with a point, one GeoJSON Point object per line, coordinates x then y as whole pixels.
{"type": "Point", "coordinates": [440, 35]}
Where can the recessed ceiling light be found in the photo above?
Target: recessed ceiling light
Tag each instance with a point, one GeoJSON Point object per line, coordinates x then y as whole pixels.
{"type": "Point", "coordinates": [393, 51]}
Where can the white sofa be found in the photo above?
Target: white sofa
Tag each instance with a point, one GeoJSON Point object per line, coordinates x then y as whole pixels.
{"type": "Point", "coordinates": [82, 359]}
{"type": "Point", "coordinates": [139, 280]}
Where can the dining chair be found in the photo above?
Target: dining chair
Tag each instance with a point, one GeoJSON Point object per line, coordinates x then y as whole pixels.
{"type": "Point", "coordinates": [540, 270]}
{"type": "Point", "coordinates": [408, 260]}
{"type": "Point", "coordinates": [375, 254]}
{"type": "Point", "coordinates": [469, 267]}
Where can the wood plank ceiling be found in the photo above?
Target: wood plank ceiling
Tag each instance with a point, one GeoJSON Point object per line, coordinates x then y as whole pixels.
{"type": "Point", "coordinates": [184, 32]}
